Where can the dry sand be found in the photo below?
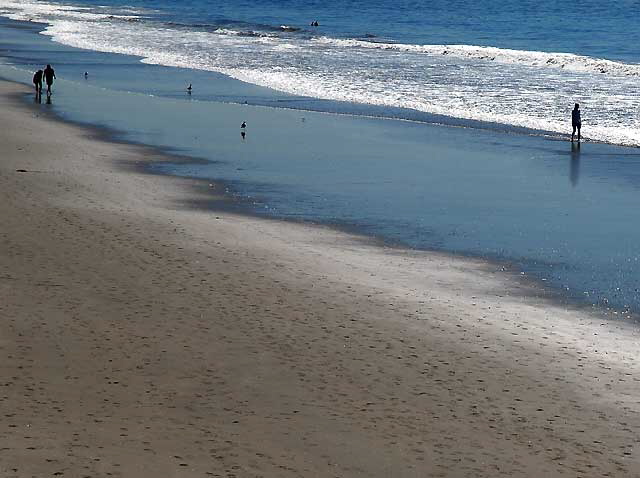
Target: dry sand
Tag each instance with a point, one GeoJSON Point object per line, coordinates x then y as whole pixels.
{"type": "Point", "coordinates": [141, 337]}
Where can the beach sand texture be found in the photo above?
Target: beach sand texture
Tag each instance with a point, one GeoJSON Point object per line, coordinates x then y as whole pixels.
{"type": "Point", "coordinates": [143, 337]}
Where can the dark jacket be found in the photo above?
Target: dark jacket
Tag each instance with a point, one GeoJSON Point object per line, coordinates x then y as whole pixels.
{"type": "Point", "coordinates": [575, 117]}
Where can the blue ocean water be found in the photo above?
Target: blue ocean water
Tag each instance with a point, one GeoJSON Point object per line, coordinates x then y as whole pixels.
{"type": "Point", "coordinates": [517, 63]}
{"type": "Point", "coordinates": [505, 186]}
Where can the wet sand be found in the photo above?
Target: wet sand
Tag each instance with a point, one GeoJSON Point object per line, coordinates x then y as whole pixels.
{"type": "Point", "coordinates": [141, 337]}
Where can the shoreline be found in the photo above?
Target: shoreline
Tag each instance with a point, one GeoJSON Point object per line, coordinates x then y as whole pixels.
{"type": "Point", "coordinates": [580, 268]}
{"type": "Point", "coordinates": [146, 338]}
{"type": "Point", "coordinates": [224, 202]}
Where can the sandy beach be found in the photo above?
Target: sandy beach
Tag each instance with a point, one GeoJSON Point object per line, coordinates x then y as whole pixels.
{"type": "Point", "coordinates": [141, 336]}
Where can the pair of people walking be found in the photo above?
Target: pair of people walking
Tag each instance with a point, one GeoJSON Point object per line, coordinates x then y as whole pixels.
{"type": "Point", "coordinates": [48, 75]}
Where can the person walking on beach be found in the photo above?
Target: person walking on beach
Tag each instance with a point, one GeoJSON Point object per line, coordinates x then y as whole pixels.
{"type": "Point", "coordinates": [37, 82]}
{"type": "Point", "coordinates": [49, 76]}
{"type": "Point", "coordinates": [576, 122]}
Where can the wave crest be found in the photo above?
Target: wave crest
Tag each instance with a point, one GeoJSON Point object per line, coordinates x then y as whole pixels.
{"type": "Point", "coordinates": [568, 61]}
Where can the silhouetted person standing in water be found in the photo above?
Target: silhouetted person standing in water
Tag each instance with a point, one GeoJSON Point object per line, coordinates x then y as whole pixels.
{"type": "Point", "coordinates": [576, 122]}
{"type": "Point", "coordinates": [37, 82]}
{"type": "Point", "coordinates": [49, 76]}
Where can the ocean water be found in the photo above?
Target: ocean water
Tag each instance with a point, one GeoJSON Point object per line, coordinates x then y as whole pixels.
{"type": "Point", "coordinates": [506, 185]}
{"type": "Point", "coordinates": [519, 63]}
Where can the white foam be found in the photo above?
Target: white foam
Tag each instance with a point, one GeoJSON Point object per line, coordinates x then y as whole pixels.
{"type": "Point", "coordinates": [47, 12]}
{"type": "Point", "coordinates": [248, 33]}
{"type": "Point", "coordinates": [568, 61]}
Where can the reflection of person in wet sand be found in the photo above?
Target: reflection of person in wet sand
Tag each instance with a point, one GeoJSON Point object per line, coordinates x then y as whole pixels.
{"type": "Point", "coordinates": [574, 171]}
{"type": "Point", "coordinates": [49, 76]}
{"type": "Point", "coordinates": [37, 82]}
{"type": "Point", "coordinates": [576, 122]}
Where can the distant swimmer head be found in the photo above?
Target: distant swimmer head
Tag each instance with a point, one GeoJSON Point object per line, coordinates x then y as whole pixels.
{"type": "Point", "coordinates": [243, 125]}
{"type": "Point", "coordinates": [86, 74]}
